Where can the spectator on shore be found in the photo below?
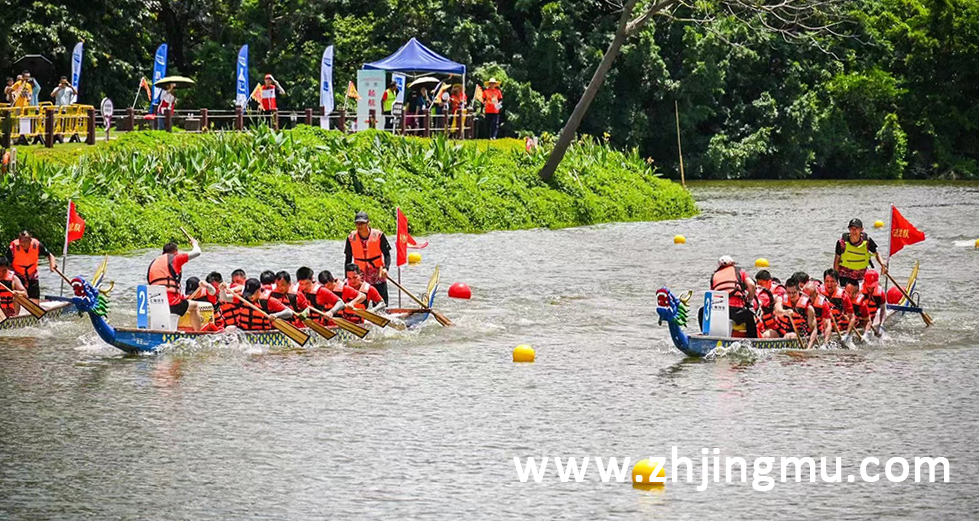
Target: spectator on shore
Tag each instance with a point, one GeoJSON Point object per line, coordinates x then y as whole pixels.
{"type": "Point", "coordinates": [168, 100]}
{"type": "Point", "coordinates": [268, 90]}
{"type": "Point", "coordinates": [7, 90]}
{"type": "Point", "coordinates": [22, 91]}
{"type": "Point", "coordinates": [63, 93]}
{"type": "Point", "coordinates": [493, 101]}
{"type": "Point", "coordinates": [417, 105]}
{"type": "Point", "coordinates": [35, 87]}
{"type": "Point", "coordinates": [388, 99]}
{"type": "Point", "coordinates": [457, 102]}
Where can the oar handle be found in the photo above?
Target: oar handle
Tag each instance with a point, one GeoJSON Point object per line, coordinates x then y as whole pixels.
{"type": "Point", "coordinates": [189, 238]}
{"type": "Point", "coordinates": [796, 331]}
{"type": "Point", "coordinates": [903, 291]}
{"type": "Point", "coordinates": [253, 306]}
{"type": "Point", "coordinates": [63, 277]}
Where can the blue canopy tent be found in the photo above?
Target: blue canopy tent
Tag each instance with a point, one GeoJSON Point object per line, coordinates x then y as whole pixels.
{"type": "Point", "coordinates": [413, 57]}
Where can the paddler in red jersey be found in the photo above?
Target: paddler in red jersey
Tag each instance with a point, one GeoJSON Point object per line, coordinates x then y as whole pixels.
{"type": "Point", "coordinates": [248, 319]}
{"type": "Point", "coordinates": [822, 310]}
{"type": "Point", "coordinates": [861, 315]}
{"type": "Point", "coordinates": [289, 295]}
{"type": "Point", "coordinates": [872, 298]}
{"type": "Point", "coordinates": [740, 290]}
{"type": "Point", "coordinates": [842, 306]}
{"type": "Point", "coordinates": [373, 300]}
{"type": "Point", "coordinates": [327, 300]}
{"type": "Point", "coordinates": [798, 309]}
{"type": "Point", "coordinates": [357, 294]}
{"type": "Point", "coordinates": [767, 294]}
{"type": "Point", "coordinates": [9, 286]}
{"type": "Point", "coordinates": [166, 271]}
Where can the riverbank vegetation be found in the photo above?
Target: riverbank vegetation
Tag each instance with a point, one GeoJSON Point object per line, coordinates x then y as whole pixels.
{"type": "Point", "coordinates": [895, 98]}
{"type": "Point", "coordinates": [307, 183]}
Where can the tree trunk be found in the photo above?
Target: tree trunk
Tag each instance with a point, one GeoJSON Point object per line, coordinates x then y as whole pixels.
{"type": "Point", "coordinates": [623, 31]}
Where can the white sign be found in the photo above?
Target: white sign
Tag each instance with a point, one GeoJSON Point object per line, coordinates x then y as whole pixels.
{"type": "Point", "coordinates": [159, 309]}
{"type": "Point", "coordinates": [370, 85]}
{"type": "Point", "coordinates": [717, 321]}
{"type": "Point", "coordinates": [399, 102]}
{"type": "Point", "coordinates": [107, 109]}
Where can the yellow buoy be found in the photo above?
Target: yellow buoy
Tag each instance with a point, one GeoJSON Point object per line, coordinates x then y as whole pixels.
{"type": "Point", "coordinates": [761, 262]}
{"type": "Point", "coordinates": [643, 470]}
{"type": "Point", "coordinates": [523, 353]}
{"type": "Point", "coordinates": [977, 244]}
{"type": "Point", "coordinates": [878, 224]}
{"type": "Point", "coordinates": [679, 239]}
{"type": "Point", "coordinates": [414, 258]}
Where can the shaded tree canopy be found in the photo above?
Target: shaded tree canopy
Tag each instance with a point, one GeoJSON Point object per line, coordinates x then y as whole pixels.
{"type": "Point", "coordinates": [897, 101]}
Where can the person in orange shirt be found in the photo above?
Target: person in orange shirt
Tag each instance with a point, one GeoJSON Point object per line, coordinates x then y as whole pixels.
{"type": "Point", "coordinates": [493, 100]}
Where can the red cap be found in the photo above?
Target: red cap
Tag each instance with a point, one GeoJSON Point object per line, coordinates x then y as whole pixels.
{"type": "Point", "coordinates": [268, 76]}
{"type": "Point", "coordinates": [870, 278]}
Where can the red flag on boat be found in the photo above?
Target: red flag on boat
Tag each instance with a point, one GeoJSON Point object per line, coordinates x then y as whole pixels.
{"type": "Point", "coordinates": [76, 225]}
{"type": "Point", "coordinates": [903, 232]}
{"type": "Point", "coordinates": [405, 240]}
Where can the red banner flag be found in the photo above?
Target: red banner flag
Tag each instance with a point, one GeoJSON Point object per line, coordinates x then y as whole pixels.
{"type": "Point", "coordinates": [405, 240]}
{"type": "Point", "coordinates": [903, 232]}
{"type": "Point", "coordinates": [76, 225]}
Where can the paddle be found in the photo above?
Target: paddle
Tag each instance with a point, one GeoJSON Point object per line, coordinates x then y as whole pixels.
{"type": "Point", "coordinates": [358, 331]}
{"type": "Point", "coordinates": [26, 303]}
{"type": "Point", "coordinates": [373, 318]}
{"type": "Point", "coordinates": [442, 319]}
{"type": "Point", "coordinates": [836, 327]}
{"type": "Point", "coordinates": [286, 328]}
{"type": "Point", "coordinates": [798, 337]}
{"type": "Point", "coordinates": [320, 329]}
{"type": "Point", "coordinates": [924, 315]}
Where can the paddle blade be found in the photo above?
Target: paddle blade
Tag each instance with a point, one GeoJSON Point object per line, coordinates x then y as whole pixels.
{"type": "Point", "coordinates": [356, 330]}
{"type": "Point", "coordinates": [320, 329]}
{"type": "Point", "coordinates": [927, 319]}
{"type": "Point", "coordinates": [442, 319]}
{"type": "Point", "coordinates": [290, 331]}
{"type": "Point", "coordinates": [30, 306]}
{"type": "Point", "coordinates": [373, 318]}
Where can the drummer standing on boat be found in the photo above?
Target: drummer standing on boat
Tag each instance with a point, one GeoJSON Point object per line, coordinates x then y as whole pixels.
{"type": "Point", "coordinates": [166, 271]}
{"type": "Point", "coordinates": [369, 249]}
{"type": "Point", "coordinates": [24, 253]}
{"type": "Point", "coordinates": [853, 253]}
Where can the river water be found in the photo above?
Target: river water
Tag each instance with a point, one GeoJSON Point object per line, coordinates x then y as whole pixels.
{"type": "Point", "coordinates": [426, 423]}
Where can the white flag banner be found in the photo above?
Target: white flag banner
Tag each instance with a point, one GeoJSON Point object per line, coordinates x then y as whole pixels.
{"type": "Point", "coordinates": [76, 70]}
{"type": "Point", "coordinates": [327, 100]}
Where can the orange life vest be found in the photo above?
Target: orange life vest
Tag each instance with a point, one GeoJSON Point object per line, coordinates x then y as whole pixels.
{"type": "Point", "coordinates": [289, 300]}
{"type": "Point", "coordinates": [801, 316]}
{"type": "Point", "coordinates": [836, 303]}
{"type": "Point", "coordinates": [769, 320]}
{"type": "Point", "coordinates": [162, 273]}
{"type": "Point", "coordinates": [817, 307]}
{"type": "Point", "coordinates": [874, 300]}
{"type": "Point", "coordinates": [25, 262]}
{"type": "Point", "coordinates": [311, 295]}
{"type": "Point", "coordinates": [367, 252]}
{"type": "Point", "coordinates": [6, 297]}
{"type": "Point", "coordinates": [248, 319]}
{"type": "Point", "coordinates": [730, 279]}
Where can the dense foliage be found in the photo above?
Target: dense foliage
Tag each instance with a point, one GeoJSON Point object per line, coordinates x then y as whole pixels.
{"type": "Point", "coordinates": [307, 183]}
{"type": "Point", "coordinates": [895, 100]}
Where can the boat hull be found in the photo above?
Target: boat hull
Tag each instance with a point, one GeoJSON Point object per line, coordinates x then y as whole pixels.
{"type": "Point", "coordinates": [132, 340]}
{"type": "Point", "coordinates": [55, 310]}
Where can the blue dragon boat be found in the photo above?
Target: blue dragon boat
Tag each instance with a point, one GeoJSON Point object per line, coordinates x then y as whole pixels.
{"type": "Point", "coordinates": [90, 300]}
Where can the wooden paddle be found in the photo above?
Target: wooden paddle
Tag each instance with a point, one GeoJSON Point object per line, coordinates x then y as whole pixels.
{"type": "Point", "coordinates": [320, 329]}
{"type": "Point", "coordinates": [373, 318]}
{"type": "Point", "coordinates": [358, 331]}
{"type": "Point", "coordinates": [189, 238]}
{"type": "Point", "coordinates": [798, 337]}
{"type": "Point", "coordinates": [924, 316]}
{"type": "Point", "coordinates": [286, 328]}
{"type": "Point", "coordinates": [32, 307]}
{"type": "Point", "coordinates": [442, 319]}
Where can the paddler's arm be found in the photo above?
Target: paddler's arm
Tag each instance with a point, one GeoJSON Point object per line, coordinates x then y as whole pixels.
{"type": "Point", "coordinates": [359, 300]}
{"type": "Point", "coordinates": [285, 314]}
{"type": "Point", "coordinates": [195, 251]}
{"type": "Point", "coordinates": [386, 250]}
{"type": "Point", "coordinates": [779, 310]}
{"type": "Point", "coordinates": [811, 320]}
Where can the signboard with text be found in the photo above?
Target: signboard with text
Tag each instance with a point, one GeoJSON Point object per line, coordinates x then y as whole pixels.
{"type": "Point", "coordinates": [370, 85]}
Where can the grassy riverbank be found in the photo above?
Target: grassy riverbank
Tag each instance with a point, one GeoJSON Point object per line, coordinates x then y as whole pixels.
{"type": "Point", "coordinates": [307, 183]}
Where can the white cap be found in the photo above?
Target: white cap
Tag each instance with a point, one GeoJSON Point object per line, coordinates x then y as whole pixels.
{"type": "Point", "coordinates": [725, 260]}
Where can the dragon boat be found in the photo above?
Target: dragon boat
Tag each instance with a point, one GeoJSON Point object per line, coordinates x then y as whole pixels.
{"type": "Point", "coordinates": [673, 310]}
{"type": "Point", "coordinates": [91, 300]}
{"type": "Point", "coordinates": [52, 311]}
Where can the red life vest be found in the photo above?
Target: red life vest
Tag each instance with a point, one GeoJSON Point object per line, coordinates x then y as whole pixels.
{"type": "Point", "coordinates": [818, 308]}
{"type": "Point", "coordinates": [268, 97]}
{"type": "Point", "coordinates": [25, 262]}
{"type": "Point", "coordinates": [367, 252]}
{"type": "Point", "coordinates": [801, 316]}
{"type": "Point", "coordinates": [162, 273]}
{"type": "Point", "coordinates": [289, 300]}
{"type": "Point", "coordinates": [248, 319]}
{"type": "Point", "coordinates": [730, 279]}
{"type": "Point", "coordinates": [311, 296]}
{"type": "Point", "coordinates": [874, 300]}
{"type": "Point", "coordinates": [769, 321]}
{"type": "Point", "coordinates": [836, 301]}
{"type": "Point", "coordinates": [6, 297]}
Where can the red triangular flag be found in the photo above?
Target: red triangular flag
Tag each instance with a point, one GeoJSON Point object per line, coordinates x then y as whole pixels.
{"type": "Point", "coordinates": [403, 236]}
{"type": "Point", "coordinates": [76, 225]}
{"type": "Point", "coordinates": [903, 232]}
